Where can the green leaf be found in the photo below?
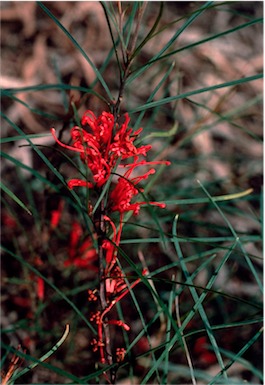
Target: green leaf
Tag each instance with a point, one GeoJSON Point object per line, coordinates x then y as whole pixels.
{"type": "Point", "coordinates": [45, 356]}
{"type": "Point", "coordinates": [248, 260]}
{"type": "Point", "coordinates": [151, 32]}
{"type": "Point", "coordinates": [170, 99]}
{"type": "Point", "coordinates": [207, 39]}
{"type": "Point", "coordinates": [14, 197]}
{"type": "Point", "coordinates": [46, 87]}
{"type": "Point", "coordinates": [188, 22]}
{"type": "Point", "coordinates": [196, 299]}
{"type": "Point", "coordinates": [20, 137]}
{"type": "Point", "coordinates": [72, 39]}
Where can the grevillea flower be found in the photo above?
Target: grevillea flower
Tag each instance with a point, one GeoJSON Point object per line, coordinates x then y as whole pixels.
{"type": "Point", "coordinates": [121, 196]}
{"type": "Point", "coordinates": [101, 148]}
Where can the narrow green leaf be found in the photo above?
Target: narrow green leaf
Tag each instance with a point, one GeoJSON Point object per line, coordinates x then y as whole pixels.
{"type": "Point", "coordinates": [151, 32]}
{"type": "Point", "coordinates": [34, 110]}
{"type": "Point", "coordinates": [46, 87]}
{"type": "Point", "coordinates": [196, 299]}
{"type": "Point", "coordinates": [170, 320]}
{"type": "Point", "coordinates": [72, 39]}
{"type": "Point", "coordinates": [219, 198]}
{"type": "Point", "coordinates": [20, 137]}
{"type": "Point", "coordinates": [131, 21]}
{"type": "Point", "coordinates": [237, 356]}
{"type": "Point", "coordinates": [120, 37]}
{"type": "Point", "coordinates": [247, 322]}
{"type": "Point", "coordinates": [208, 240]}
{"type": "Point", "coordinates": [248, 260]}
{"type": "Point", "coordinates": [208, 286]}
{"type": "Point", "coordinates": [53, 368]}
{"type": "Point", "coordinates": [45, 356]}
{"type": "Point", "coordinates": [31, 170]}
{"type": "Point", "coordinates": [235, 113]}
{"type": "Point", "coordinates": [207, 39]}
{"type": "Point", "coordinates": [185, 25]}
{"type": "Point", "coordinates": [170, 99]}
{"type": "Point", "coordinates": [14, 197]}
{"type": "Point", "coordinates": [151, 97]}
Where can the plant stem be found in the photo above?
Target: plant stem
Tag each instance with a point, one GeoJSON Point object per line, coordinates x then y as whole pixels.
{"type": "Point", "coordinates": [102, 289]}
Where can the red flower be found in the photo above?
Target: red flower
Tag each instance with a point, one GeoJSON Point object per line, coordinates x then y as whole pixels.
{"type": "Point", "coordinates": [121, 196]}
{"type": "Point", "coordinates": [101, 148]}
{"type": "Point", "coordinates": [102, 126]}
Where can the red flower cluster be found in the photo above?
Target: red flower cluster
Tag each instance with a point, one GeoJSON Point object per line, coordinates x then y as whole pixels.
{"type": "Point", "coordinates": [101, 148]}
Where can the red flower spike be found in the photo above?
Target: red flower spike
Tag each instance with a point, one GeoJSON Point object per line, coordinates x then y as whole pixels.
{"type": "Point", "coordinates": [39, 281]}
{"type": "Point", "coordinates": [101, 149]}
{"type": "Point", "coordinates": [123, 142]}
{"type": "Point", "coordinates": [100, 342]}
{"type": "Point", "coordinates": [87, 248]}
{"type": "Point", "coordinates": [110, 251]}
{"type": "Point", "coordinates": [116, 300]}
{"type": "Point", "coordinates": [205, 356]}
